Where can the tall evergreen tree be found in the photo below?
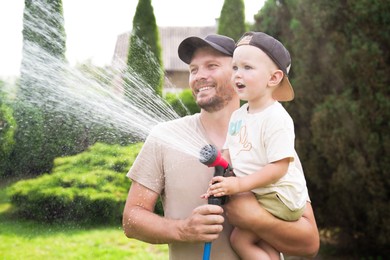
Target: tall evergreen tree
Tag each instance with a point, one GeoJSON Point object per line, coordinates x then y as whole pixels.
{"type": "Point", "coordinates": [340, 74]}
{"type": "Point", "coordinates": [278, 28]}
{"type": "Point", "coordinates": [144, 56]}
{"type": "Point", "coordinates": [41, 134]}
{"type": "Point", "coordinates": [232, 19]}
{"type": "Point", "coordinates": [349, 125]}
{"type": "Point", "coordinates": [7, 131]}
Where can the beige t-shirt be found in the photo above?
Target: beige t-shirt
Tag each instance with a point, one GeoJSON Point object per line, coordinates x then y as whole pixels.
{"type": "Point", "coordinates": [168, 164]}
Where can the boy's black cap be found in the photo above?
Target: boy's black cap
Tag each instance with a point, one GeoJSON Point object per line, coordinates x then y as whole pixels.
{"type": "Point", "coordinates": [279, 54]}
{"type": "Point", "coordinates": [218, 42]}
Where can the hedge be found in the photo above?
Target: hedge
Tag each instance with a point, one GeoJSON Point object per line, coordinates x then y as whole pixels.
{"type": "Point", "coordinates": [90, 187]}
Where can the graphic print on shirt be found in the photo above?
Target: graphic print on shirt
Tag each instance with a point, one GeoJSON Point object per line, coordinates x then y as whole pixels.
{"type": "Point", "coordinates": [236, 128]}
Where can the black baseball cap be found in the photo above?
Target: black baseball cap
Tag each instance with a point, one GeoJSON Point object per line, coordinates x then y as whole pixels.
{"type": "Point", "coordinates": [221, 43]}
{"type": "Point", "coordinates": [279, 54]}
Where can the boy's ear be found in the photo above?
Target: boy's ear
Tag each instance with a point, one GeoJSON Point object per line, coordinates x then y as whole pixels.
{"type": "Point", "coordinates": [276, 78]}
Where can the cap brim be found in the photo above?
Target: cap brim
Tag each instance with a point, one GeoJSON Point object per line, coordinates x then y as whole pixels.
{"type": "Point", "coordinates": [190, 45]}
{"type": "Point", "coordinates": [284, 92]}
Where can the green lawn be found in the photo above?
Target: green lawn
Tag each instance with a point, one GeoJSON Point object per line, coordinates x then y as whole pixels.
{"type": "Point", "coordinates": [22, 239]}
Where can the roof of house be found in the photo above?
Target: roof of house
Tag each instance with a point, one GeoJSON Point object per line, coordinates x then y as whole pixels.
{"type": "Point", "coordinates": [170, 38]}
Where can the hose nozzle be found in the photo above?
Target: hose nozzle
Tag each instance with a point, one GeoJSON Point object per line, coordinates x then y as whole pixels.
{"type": "Point", "coordinates": [210, 156]}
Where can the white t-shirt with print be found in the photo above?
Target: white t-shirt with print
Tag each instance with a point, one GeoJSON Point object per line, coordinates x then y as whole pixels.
{"type": "Point", "coordinates": [255, 140]}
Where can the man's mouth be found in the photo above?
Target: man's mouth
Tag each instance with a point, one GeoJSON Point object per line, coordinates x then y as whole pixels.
{"type": "Point", "coordinates": [203, 89]}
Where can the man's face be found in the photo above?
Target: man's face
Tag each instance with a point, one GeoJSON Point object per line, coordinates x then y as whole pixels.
{"type": "Point", "coordinates": [210, 79]}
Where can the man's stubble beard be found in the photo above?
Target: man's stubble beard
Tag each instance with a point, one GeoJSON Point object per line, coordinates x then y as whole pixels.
{"type": "Point", "coordinates": [219, 100]}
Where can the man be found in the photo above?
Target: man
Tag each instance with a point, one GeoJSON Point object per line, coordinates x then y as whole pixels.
{"type": "Point", "coordinates": [180, 179]}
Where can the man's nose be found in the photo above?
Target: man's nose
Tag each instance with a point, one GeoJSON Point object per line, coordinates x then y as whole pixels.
{"type": "Point", "coordinates": [201, 74]}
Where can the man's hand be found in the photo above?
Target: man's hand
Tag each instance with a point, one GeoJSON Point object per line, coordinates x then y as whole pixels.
{"type": "Point", "coordinates": [140, 222]}
{"type": "Point", "coordinates": [299, 238]}
{"type": "Point", "coordinates": [204, 224]}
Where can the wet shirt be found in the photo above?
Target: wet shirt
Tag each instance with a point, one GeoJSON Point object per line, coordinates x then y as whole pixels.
{"type": "Point", "coordinates": [168, 164]}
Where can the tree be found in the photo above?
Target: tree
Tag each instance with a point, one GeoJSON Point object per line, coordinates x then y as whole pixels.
{"type": "Point", "coordinates": [349, 126]}
{"type": "Point", "coordinates": [232, 19]}
{"type": "Point", "coordinates": [7, 131]}
{"type": "Point", "coordinates": [144, 56]}
{"type": "Point", "coordinates": [42, 134]}
{"type": "Point", "coordinates": [340, 74]}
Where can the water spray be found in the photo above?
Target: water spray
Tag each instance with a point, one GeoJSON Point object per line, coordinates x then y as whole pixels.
{"type": "Point", "coordinates": [210, 156]}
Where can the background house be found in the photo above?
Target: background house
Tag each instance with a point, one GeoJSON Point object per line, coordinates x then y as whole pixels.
{"type": "Point", "coordinates": [176, 70]}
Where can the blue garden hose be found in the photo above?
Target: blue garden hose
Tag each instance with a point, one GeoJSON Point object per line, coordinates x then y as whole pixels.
{"type": "Point", "coordinates": [207, 251]}
{"type": "Point", "coordinates": [210, 156]}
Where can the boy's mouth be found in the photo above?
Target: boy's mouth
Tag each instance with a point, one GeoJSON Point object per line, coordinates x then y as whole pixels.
{"type": "Point", "coordinates": [240, 85]}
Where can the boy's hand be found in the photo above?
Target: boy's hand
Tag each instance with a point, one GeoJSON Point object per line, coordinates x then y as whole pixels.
{"type": "Point", "coordinates": [222, 186]}
{"type": "Point", "coordinates": [205, 195]}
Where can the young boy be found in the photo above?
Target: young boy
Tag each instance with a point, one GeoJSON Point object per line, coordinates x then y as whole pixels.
{"type": "Point", "coordinates": [260, 140]}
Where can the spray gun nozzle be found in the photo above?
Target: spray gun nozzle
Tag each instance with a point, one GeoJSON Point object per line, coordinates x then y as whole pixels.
{"type": "Point", "coordinates": [210, 156]}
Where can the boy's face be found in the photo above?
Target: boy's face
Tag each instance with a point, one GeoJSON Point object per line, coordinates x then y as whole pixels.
{"type": "Point", "coordinates": [252, 71]}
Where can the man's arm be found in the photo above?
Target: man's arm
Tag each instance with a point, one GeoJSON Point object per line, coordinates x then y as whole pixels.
{"type": "Point", "coordinates": [298, 238]}
{"type": "Point", "coordinates": [140, 222]}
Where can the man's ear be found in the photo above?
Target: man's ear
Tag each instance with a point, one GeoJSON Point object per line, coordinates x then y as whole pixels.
{"type": "Point", "coordinates": [276, 78]}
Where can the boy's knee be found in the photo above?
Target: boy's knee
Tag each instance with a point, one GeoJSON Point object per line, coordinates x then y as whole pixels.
{"type": "Point", "coordinates": [233, 238]}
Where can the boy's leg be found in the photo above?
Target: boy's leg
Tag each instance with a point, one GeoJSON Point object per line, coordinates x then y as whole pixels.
{"type": "Point", "coordinates": [271, 252]}
{"type": "Point", "coordinates": [248, 246]}
{"type": "Point", "coordinates": [300, 238]}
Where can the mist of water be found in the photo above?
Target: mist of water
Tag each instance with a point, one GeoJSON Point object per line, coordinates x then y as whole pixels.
{"type": "Point", "coordinates": [71, 91]}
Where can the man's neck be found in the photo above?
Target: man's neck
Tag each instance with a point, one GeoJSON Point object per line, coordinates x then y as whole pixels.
{"type": "Point", "coordinates": [216, 123]}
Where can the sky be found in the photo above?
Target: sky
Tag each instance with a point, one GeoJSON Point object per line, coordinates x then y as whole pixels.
{"type": "Point", "coordinates": [92, 26]}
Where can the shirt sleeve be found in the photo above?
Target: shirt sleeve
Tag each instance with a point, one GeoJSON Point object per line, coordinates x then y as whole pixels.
{"type": "Point", "coordinates": [147, 168]}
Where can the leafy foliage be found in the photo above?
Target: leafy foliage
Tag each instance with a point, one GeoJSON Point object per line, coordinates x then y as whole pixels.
{"type": "Point", "coordinates": [183, 103]}
{"type": "Point", "coordinates": [44, 25]}
{"type": "Point", "coordinates": [144, 55]}
{"type": "Point", "coordinates": [89, 187]}
{"type": "Point", "coordinates": [340, 74]}
{"type": "Point", "coordinates": [7, 131]}
{"type": "Point", "coordinates": [232, 19]}
{"type": "Point", "coordinates": [41, 134]}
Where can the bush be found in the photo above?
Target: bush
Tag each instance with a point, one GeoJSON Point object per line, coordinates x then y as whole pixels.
{"type": "Point", "coordinates": [90, 187]}
{"type": "Point", "coordinates": [7, 131]}
{"type": "Point", "coordinates": [356, 187]}
{"type": "Point", "coordinates": [29, 140]}
{"type": "Point", "coordinates": [183, 103]}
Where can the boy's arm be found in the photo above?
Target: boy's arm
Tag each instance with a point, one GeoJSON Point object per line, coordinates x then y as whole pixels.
{"type": "Point", "coordinates": [298, 238]}
{"type": "Point", "coordinates": [267, 175]}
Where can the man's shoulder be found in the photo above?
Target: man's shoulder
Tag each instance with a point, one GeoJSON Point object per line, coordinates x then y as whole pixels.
{"type": "Point", "coordinates": [182, 121]}
{"type": "Point", "coordinates": [179, 126]}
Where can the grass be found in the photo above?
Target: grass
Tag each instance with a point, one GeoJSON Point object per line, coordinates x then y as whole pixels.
{"type": "Point", "coordinates": [24, 239]}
